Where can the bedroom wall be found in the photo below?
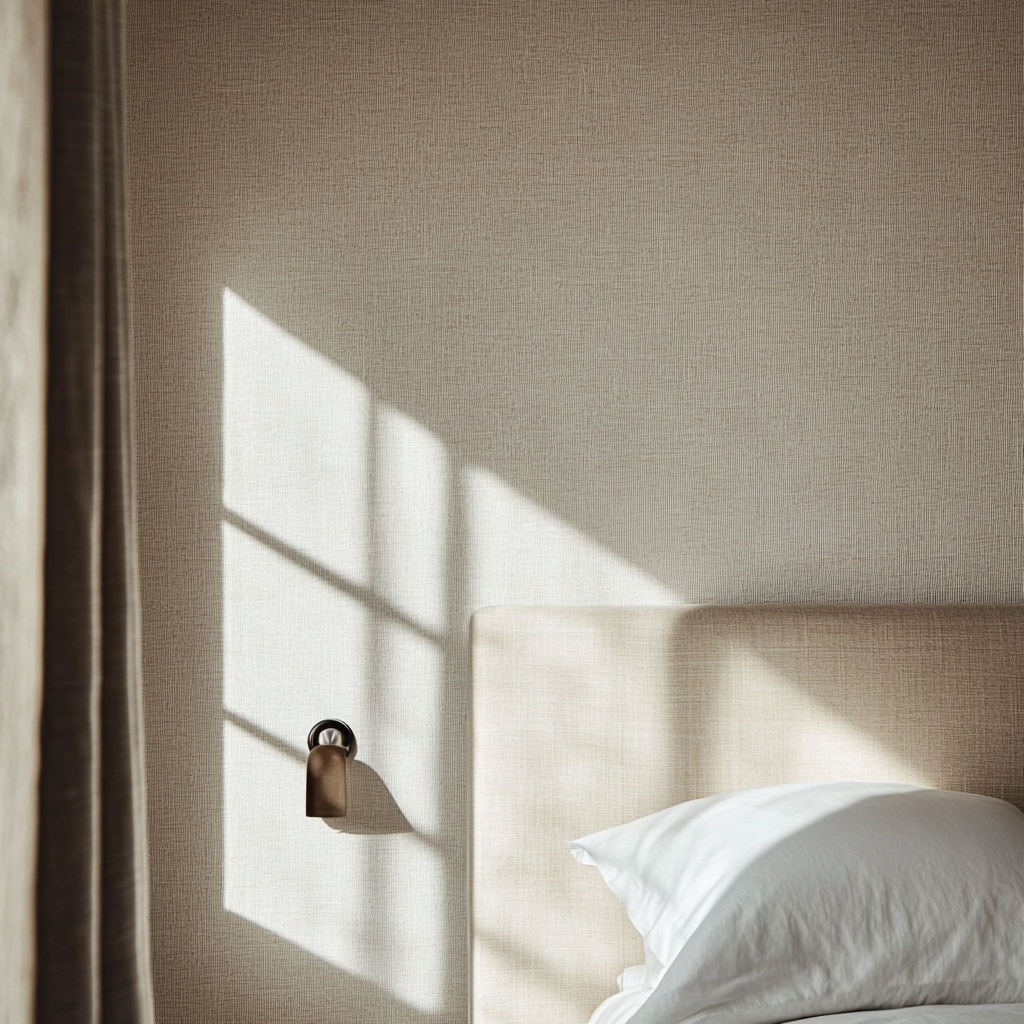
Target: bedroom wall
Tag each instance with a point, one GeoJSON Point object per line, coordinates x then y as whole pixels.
{"type": "Point", "coordinates": [441, 305]}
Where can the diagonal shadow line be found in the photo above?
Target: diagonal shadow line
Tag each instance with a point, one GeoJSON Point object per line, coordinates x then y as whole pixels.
{"type": "Point", "coordinates": [265, 737]}
{"type": "Point", "coordinates": [375, 604]}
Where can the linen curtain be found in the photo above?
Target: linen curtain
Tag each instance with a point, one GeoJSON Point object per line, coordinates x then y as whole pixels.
{"type": "Point", "coordinates": [92, 928]}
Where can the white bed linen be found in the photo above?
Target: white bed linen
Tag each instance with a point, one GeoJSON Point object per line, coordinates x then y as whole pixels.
{"type": "Point", "coordinates": [991, 1013]}
{"type": "Point", "coordinates": [788, 902]}
{"type": "Point", "coordinates": [620, 1008]}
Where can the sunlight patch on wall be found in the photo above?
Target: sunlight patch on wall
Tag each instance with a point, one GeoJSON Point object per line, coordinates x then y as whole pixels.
{"type": "Point", "coordinates": [335, 536]}
{"type": "Point", "coordinates": [410, 516]}
{"type": "Point", "coordinates": [522, 554]}
{"type": "Point", "coordinates": [295, 441]}
{"type": "Point", "coordinates": [337, 526]}
{"type": "Point", "coordinates": [293, 644]}
{"type": "Point", "coordinates": [333, 894]}
{"type": "Point", "coordinates": [282, 871]}
{"type": "Point", "coordinates": [406, 716]}
{"type": "Point", "coordinates": [768, 725]}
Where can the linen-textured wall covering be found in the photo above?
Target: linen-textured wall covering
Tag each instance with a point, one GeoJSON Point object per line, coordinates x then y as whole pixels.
{"type": "Point", "coordinates": [442, 305]}
{"type": "Point", "coordinates": [92, 923]}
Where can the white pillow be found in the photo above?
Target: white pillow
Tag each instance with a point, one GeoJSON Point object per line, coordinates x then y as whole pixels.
{"type": "Point", "coordinates": [794, 901]}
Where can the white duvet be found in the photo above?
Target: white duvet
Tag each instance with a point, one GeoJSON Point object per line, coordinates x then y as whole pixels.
{"type": "Point", "coordinates": [621, 1006]}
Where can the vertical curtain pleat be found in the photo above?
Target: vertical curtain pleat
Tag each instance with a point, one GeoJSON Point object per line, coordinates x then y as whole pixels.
{"type": "Point", "coordinates": [92, 926]}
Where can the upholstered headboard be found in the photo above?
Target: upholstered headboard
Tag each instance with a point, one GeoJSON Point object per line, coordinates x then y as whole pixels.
{"type": "Point", "coordinates": [584, 718]}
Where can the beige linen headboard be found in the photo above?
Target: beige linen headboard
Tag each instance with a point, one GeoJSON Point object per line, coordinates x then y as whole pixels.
{"type": "Point", "coordinates": [584, 718]}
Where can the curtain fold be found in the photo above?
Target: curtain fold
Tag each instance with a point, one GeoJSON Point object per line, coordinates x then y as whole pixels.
{"type": "Point", "coordinates": [92, 920]}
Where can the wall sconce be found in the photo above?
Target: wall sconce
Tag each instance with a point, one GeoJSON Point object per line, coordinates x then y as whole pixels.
{"type": "Point", "coordinates": [331, 743]}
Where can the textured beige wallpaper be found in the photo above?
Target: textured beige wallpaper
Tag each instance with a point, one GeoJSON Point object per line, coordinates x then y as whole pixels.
{"type": "Point", "coordinates": [442, 305]}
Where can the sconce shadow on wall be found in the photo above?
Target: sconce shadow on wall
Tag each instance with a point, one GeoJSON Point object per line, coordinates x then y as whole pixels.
{"type": "Point", "coordinates": [372, 810]}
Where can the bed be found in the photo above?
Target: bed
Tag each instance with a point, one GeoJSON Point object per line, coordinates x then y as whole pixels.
{"type": "Point", "coordinates": [584, 719]}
